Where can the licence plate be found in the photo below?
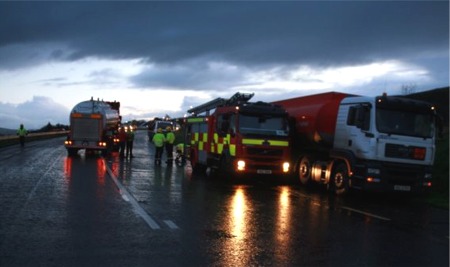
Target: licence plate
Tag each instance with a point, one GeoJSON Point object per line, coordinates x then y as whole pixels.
{"type": "Point", "coordinates": [263, 171]}
{"type": "Point", "coordinates": [402, 187]}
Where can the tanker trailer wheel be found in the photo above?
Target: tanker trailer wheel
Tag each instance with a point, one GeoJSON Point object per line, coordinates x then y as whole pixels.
{"type": "Point", "coordinates": [304, 170]}
{"type": "Point", "coordinates": [340, 178]}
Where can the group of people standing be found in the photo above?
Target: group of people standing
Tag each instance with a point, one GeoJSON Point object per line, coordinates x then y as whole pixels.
{"type": "Point", "coordinates": [126, 139]}
{"type": "Point", "coordinates": [160, 141]}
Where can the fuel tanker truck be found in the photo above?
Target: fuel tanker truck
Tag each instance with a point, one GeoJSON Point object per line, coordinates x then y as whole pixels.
{"type": "Point", "coordinates": [93, 127]}
{"type": "Point", "coordinates": [382, 143]}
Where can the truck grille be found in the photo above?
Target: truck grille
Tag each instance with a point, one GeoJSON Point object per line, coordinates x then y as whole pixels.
{"type": "Point", "coordinates": [401, 175]}
{"type": "Point", "coordinates": [259, 151]}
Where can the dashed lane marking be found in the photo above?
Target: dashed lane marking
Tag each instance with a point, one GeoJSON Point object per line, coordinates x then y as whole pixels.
{"type": "Point", "coordinates": [129, 198]}
{"type": "Point", "coordinates": [171, 224]}
{"type": "Point", "coordinates": [366, 213]}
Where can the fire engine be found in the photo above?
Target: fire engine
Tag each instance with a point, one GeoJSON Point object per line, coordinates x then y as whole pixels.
{"type": "Point", "coordinates": [238, 137]}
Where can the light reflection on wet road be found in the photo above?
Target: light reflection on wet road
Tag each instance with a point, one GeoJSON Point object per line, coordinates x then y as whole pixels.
{"type": "Point", "coordinates": [91, 211]}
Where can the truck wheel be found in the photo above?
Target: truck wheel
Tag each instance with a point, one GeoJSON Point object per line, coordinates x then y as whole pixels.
{"type": "Point", "coordinates": [340, 179]}
{"type": "Point", "coordinates": [304, 170]}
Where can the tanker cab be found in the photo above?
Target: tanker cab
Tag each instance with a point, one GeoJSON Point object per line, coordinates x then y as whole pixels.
{"type": "Point", "coordinates": [354, 130]}
{"type": "Point", "coordinates": [390, 129]}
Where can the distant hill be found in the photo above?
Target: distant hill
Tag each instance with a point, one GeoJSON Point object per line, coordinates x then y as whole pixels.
{"type": "Point", "coordinates": [4, 131]}
{"type": "Point", "coordinates": [439, 97]}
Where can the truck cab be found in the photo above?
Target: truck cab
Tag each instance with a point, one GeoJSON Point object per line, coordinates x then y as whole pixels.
{"type": "Point", "coordinates": [389, 142]}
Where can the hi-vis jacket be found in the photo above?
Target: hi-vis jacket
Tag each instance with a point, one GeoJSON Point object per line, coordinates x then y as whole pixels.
{"type": "Point", "coordinates": [159, 139]}
{"type": "Point", "coordinates": [22, 132]}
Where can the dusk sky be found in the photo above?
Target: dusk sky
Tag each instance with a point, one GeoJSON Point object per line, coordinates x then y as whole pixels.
{"type": "Point", "coordinates": [161, 57]}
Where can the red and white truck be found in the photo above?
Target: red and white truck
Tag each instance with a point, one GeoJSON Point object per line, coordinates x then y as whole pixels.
{"type": "Point", "coordinates": [93, 126]}
{"type": "Point", "coordinates": [344, 141]}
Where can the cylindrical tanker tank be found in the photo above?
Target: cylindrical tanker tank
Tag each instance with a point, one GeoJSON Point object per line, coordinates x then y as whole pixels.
{"type": "Point", "coordinates": [110, 116]}
{"type": "Point", "coordinates": [315, 115]}
{"type": "Point", "coordinates": [93, 126]}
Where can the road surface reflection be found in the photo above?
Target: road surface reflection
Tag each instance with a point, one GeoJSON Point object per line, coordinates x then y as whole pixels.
{"type": "Point", "coordinates": [237, 249]}
{"type": "Point", "coordinates": [283, 224]}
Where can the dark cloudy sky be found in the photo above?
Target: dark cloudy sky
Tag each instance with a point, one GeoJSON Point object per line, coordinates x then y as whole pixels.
{"type": "Point", "coordinates": [160, 57]}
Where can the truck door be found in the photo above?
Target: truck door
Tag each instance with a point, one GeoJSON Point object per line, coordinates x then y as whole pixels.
{"type": "Point", "coordinates": [360, 140]}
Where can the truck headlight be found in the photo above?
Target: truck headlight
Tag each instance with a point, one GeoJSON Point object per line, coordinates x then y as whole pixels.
{"type": "Point", "coordinates": [240, 165]}
{"type": "Point", "coordinates": [286, 167]}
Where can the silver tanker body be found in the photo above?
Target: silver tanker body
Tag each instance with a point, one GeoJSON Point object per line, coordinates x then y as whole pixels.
{"type": "Point", "coordinates": [93, 126]}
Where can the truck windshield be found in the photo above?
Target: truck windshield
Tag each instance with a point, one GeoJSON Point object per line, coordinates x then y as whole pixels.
{"type": "Point", "coordinates": [402, 122]}
{"type": "Point", "coordinates": [263, 125]}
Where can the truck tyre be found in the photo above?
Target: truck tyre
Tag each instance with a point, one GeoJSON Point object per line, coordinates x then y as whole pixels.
{"type": "Point", "coordinates": [304, 170]}
{"type": "Point", "coordinates": [339, 180]}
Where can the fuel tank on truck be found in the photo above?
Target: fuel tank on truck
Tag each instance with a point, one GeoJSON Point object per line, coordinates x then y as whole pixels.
{"type": "Point", "coordinates": [110, 116]}
{"type": "Point", "coordinates": [315, 115]}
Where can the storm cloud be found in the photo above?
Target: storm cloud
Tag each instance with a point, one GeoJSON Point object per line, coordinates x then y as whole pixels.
{"type": "Point", "coordinates": [212, 48]}
{"type": "Point", "coordinates": [244, 33]}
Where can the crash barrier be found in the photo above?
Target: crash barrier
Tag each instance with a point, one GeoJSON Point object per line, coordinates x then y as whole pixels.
{"type": "Point", "coordinates": [8, 140]}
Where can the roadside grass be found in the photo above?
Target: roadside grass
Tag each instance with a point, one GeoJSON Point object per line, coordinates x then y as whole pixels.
{"type": "Point", "coordinates": [439, 196]}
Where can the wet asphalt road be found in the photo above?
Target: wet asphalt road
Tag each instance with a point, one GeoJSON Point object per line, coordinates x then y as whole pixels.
{"type": "Point", "coordinates": [93, 211]}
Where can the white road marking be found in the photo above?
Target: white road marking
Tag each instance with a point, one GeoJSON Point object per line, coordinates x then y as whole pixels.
{"type": "Point", "coordinates": [137, 208]}
{"type": "Point", "coordinates": [31, 194]}
{"type": "Point", "coordinates": [366, 213]}
{"type": "Point", "coordinates": [171, 224]}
